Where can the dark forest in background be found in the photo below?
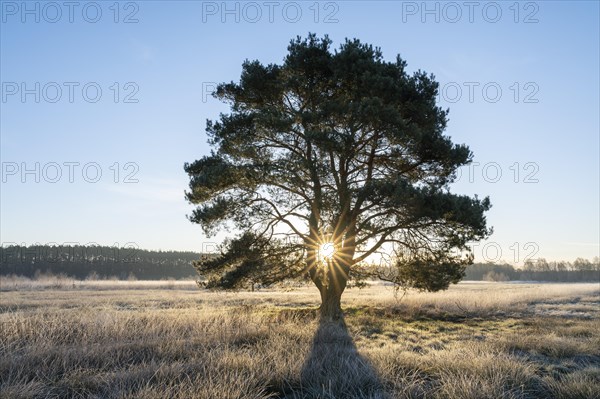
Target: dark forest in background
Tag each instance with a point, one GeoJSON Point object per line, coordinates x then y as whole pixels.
{"type": "Point", "coordinates": [581, 270]}
{"type": "Point", "coordinates": [81, 262]}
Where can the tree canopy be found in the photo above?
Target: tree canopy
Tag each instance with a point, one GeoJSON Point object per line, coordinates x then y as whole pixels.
{"type": "Point", "coordinates": [336, 147]}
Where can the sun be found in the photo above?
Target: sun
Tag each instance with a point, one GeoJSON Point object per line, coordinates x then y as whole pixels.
{"type": "Point", "coordinates": [326, 250]}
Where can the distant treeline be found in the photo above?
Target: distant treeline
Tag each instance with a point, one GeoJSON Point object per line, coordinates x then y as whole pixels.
{"type": "Point", "coordinates": [82, 262]}
{"type": "Point", "coordinates": [95, 261]}
{"type": "Point", "coordinates": [540, 270]}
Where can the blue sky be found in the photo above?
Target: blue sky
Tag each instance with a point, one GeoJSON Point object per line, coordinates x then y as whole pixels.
{"type": "Point", "coordinates": [521, 81]}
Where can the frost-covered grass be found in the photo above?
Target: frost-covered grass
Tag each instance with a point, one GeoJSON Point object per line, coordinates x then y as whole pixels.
{"type": "Point", "coordinates": [153, 340]}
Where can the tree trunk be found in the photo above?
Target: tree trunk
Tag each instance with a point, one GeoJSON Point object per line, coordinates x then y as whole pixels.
{"type": "Point", "coordinates": [330, 278]}
{"type": "Point", "coordinates": [331, 307]}
{"type": "Point", "coordinates": [332, 286]}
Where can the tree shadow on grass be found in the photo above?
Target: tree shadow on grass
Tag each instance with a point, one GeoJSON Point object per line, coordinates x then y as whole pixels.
{"type": "Point", "coordinates": [335, 369]}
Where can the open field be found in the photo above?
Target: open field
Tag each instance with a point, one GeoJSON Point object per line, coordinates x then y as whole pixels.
{"type": "Point", "coordinates": [170, 340]}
